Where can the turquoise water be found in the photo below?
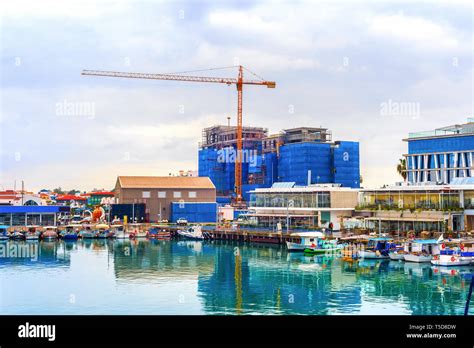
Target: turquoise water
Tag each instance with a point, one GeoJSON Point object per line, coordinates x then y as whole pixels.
{"type": "Point", "coordinates": [184, 277]}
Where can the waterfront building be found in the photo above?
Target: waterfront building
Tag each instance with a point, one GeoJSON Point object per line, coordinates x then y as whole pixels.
{"type": "Point", "coordinates": [404, 208]}
{"type": "Point", "coordinates": [12, 197]}
{"type": "Point", "coordinates": [100, 197]}
{"type": "Point", "coordinates": [43, 215]}
{"type": "Point", "coordinates": [441, 155]}
{"type": "Point", "coordinates": [286, 204]}
{"type": "Point", "coordinates": [304, 155]}
{"type": "Point", "coordinates": [169, 197]}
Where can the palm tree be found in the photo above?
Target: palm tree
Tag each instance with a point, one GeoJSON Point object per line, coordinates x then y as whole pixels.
{"type": "Point", "coordinates": [402, 167]}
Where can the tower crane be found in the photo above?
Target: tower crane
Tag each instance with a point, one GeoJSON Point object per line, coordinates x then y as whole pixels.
{"type": "Point", "coordinates": [239, 82]}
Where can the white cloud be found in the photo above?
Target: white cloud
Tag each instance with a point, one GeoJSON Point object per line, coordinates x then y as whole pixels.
{"type": "Point", "coordinates": [61, 8]}
{"type": "Point", "coordinates": [420, 31]}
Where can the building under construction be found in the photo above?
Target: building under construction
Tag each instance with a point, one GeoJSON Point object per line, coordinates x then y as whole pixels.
{"type": "Point", "coordinates": [303, 155]}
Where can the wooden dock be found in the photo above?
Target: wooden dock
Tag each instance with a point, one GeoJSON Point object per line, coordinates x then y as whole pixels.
{"type": "Point", "coordinates": [244, 235]}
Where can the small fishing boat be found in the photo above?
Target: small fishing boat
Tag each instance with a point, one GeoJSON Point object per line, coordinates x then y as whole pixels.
{"type": "Point", "coordinates": [378, 248]}
{"type": "Point", "coordinates": [455, 259]}
{"type": "Point", "coordinates": [87, 233]}
{"type": "Point", "coordinates": [135, 231]}
{"type": "Point", "coordinates": [158, 232]}
{"type": "Point", "coordinates": [307, 239]}
{"type": "Point", "coordinates": [102, 231]}
{"type": "Point", "coordinates": [421, 250]}
{"type": "Point", "coordinates": [119, 232]}
{"type": "Point", "coordinates": [17, 235]}
{"type": "Point", "coordinates": [4, 235]}
{"type": "Point", "coordinates": [454, 253]}
{"type": "Point", "coordinates": [323, 247]}
{"type": "Point", "coordinates": [193, 232]}
{"type": "Point", "coordinates": [71, 232]}
{"type": "Point", "coordinates": [50, 233]}
{"type": "Point", "coordinates": [397, 254]}
{"type": "Point", "coordinates": [33, 234]}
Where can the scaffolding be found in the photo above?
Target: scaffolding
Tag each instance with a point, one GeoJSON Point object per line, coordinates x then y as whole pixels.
{"type": "Point", "coordinates": [219, 137]}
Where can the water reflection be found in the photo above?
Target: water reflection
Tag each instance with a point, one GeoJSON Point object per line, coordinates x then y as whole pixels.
{"type": "Point", "coordinates": [148, 277]}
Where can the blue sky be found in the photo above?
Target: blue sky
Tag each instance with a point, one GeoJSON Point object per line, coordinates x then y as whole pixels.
{"type": "Point", "coordinates": [335, 63]}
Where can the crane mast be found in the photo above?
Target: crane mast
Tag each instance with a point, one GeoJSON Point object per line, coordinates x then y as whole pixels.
{"type": "Point", "coordinates": [239, 82]}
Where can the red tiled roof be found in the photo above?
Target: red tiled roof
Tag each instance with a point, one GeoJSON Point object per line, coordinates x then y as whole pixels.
{"type": "Point", "coordinates": [101, 193]}
{"type": "Point", "coordinates": [70, 198]}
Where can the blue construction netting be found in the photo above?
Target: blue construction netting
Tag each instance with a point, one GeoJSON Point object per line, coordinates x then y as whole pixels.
{"type": "Point", "coordinates": [194, 212]}
{"type": "Point", "coordinates": [222, 200]}
{"type": "Point", "coordinates": [346, 164]}
{"type": "Point", "coordinates": [271, 168]}
{"type": "Point", "coordinates": [297, 159]}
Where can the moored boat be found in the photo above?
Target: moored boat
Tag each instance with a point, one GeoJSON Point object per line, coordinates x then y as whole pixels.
{"type": "Point", "coordinates": [102, 231]}
{"type": "Point", "coordinates": [87, 233]}
{"type": "Point", "coordinates": [50, 233]}
{"type": "Point", "coordinates": [17, 235]}
{"type": "Point", "coordinates": [455, 259]}
{"type": "Point", "coordinates": [398, 254]}
{"type": "Point", "coordinates": [323, 247]}
{"type": "Point", "coordinates": [421, 250]}
{"type": "Point", "coordinates": [71, 232]}
{"type": "Point", "coordinates": [4, 235]}
{"type": "Point", "coordinates": [135, 230]}
{"type": "Point", "coordinates": [307, 239]}
{"type": "Point", "coordinates": [378, 248]}
{"type": "Point", "coordinates": [158, 232]}
{"type": "Point", "coordinates": [32, 234]}
{"type": "Point", "coordinates": [119, 232]}
{"type": "Point", "coordinates": [193, 232]}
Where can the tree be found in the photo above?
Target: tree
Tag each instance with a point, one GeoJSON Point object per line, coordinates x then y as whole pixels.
{"type": "Point", "coordinates": [73, 192]}
{"type": "Point", "coordinates": [58, 190]}
{"type": "Point", "coordinates": [402, 167]}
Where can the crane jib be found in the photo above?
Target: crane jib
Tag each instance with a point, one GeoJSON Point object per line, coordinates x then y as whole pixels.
{"type": "Point", "coordinates": [226, 80]}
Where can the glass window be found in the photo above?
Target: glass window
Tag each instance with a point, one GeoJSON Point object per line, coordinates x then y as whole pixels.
{"type": "Point", "coordinates": [177, 194]}
{"type": "Point", "coordinates": [33, 219]}
{"type": "Point", "coordinates": [47, 219]}
{"type": "Point", "coordinates": [146, 194]}
{"type": "Point", "coordinates": [161, 194]}
{"type": "Point", "coordinates": [4, 219]}
{"type": "Point", "coordinates": [192, 194]}
{"type": "Point", "coordinates": [19, 219]}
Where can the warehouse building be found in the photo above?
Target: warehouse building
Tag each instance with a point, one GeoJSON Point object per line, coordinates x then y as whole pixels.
{"type": "Point", "coordinates": [169, 197]}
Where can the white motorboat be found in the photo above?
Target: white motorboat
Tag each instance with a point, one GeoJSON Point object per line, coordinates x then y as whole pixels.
{"type": "Point", "coordinates": [455, 259]}
{"type": "Point", "coordinates": [421, 250]}
{"type": "Point", "coordinates": [397, 255]}
{"type": "Point", "coordinates": [120, 232]}
{"type": "Point", "coordinates": [193, 232]}
{"type": "Point", "coordinates": [307, 240]}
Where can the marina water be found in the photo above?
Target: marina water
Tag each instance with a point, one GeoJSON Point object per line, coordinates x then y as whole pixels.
{"type": "Point", "coordinates": [194, 277]}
